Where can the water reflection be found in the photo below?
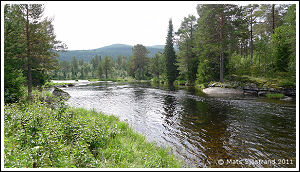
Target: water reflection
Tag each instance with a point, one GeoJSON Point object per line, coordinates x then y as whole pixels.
{"type": "Point", "coordinates": [169, 106]}
{"type": "Point", "coordinates": [207, 125]}
{"type": "Point", "coordinates": [138, 93]}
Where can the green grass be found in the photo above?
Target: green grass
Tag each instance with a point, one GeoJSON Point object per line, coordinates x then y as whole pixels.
{"type": "Point", "coordinates": [64, 137]}
{"type": "Point", "coordinates": [274, 96]}
{"type": "Point", "coordinates": [280, 81]}
{"type": "Point", "coordinates": [51, 84]}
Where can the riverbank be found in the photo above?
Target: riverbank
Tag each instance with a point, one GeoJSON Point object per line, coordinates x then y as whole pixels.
{"type": "Point", "coordinates": [273, 88]}
{"type": "Point", "coordinates": [42, 135]}
{"type": "Point", "coordinates": [247, 85]}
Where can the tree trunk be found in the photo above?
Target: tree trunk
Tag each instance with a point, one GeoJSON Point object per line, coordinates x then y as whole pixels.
{"type": "Point", "coordinates": [273, 18]}
{"type": "Point", "coordinates": [222, 52]}
{"type": "Point", "coordinates": [222, 67]}
{"type": "Point", "coordinates": [251, 38]}
{"type": "Point", "coordinates": [29, 76]}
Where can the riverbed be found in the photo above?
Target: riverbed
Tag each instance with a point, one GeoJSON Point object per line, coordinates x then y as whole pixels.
{"type": "Point", "coordinates": [203, 131]}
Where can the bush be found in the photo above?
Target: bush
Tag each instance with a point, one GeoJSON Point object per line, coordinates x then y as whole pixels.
{"type": "Point", "coordinates": [13, 85]}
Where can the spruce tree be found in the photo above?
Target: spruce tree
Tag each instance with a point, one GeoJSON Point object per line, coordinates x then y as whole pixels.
{"type": "Point", "coordinates": [170, 56]}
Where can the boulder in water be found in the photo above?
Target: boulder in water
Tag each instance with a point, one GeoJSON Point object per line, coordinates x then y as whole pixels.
{"type": "Point", "coordinates": [60, 93]}
{"type": "Point", "coordinates": [218, 91]}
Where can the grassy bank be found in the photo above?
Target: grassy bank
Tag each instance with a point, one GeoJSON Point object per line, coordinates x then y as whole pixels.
{"type": "Point", "coordinates": [280, 81]}
{"type": "Point", "coordinates": [274, 96]}
{"type": "Point", "coordinates": [235, 81]}
{"type": "Point", "coordinates": [52, 84]}
{"type": "Point", "coordinates": [39, 136]}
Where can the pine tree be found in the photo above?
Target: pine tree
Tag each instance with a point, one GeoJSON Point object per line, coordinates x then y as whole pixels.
{"type": "Point", "coordinates": [216, 38]}
{"type": "Point", "coordinates": [187, 60]}
{"type": "Point", "coordinates": [252, 19]}
{"type": "Point", "coordinates": [36, 42]}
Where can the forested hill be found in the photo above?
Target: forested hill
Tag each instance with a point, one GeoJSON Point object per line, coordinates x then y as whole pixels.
{"type": "Point", "coordinates": [113, 50]}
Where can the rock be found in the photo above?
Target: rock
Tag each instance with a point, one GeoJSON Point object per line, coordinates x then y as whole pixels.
{"type": "Point", "coordinates": [250, 92]}
{"type": "Point", "coordinates": [251, 86]}
{"type": "Point", "coordinates": [212, 85]}
{"type": "Point", "coordinates": [60, 93]}
{"type": "Point", "coordinates": [262, 93]}
{"type": "Point", "coordinates": [217, 91]}
{"type": "Point", "coordinates": [263, 89]}
{"type": "Point", "coordinates": [71, 85]}
{"type": "Point", "coordinates": [286, 98]}
{"type": "Point", "coordinates": [273, 90]}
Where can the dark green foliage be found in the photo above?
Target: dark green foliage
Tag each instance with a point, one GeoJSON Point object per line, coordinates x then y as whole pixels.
{"type": "Point", "coordinates": [29, 46]}
{"type": "Point", "coordinates": [266, 49]}
{"type": "Point", "coordinates": [216, 37]}
{"type": "Point", "coordinates": [170, 57]}
{"type": "Point", "coordinates": [14, 48]}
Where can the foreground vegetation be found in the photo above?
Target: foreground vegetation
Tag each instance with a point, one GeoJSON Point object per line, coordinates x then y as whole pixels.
{"type": "Point", "coordinates": [43, 134]}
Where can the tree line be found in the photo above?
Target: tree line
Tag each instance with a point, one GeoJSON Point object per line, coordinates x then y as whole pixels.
{"type": "Point", "coordinates": [226, 39]}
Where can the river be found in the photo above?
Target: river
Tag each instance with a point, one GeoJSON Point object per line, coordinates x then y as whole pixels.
{"type": "Point", "coordinates": [203, 131]}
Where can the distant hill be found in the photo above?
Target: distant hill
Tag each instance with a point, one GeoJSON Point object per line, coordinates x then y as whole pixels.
{"type": "Point", "coordinates": [113, 50]}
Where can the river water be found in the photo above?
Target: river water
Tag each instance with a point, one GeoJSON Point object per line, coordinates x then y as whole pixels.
{"type": "Point", "coordinates": [203, 131]}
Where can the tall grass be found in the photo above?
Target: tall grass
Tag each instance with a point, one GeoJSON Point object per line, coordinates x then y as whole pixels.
{"type": "Point", "coordinates": [37, 135]}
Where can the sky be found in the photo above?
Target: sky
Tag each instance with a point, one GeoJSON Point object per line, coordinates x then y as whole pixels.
{"type": "Point", "coordinates": [94, 24]}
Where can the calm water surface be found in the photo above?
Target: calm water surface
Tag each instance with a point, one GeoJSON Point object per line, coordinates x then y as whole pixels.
{"type": "Point", "coordinates": [201, 130]}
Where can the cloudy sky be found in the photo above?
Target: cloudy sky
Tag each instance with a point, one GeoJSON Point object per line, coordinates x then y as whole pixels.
{"type": "Point", "coordinates": [89, 25]}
